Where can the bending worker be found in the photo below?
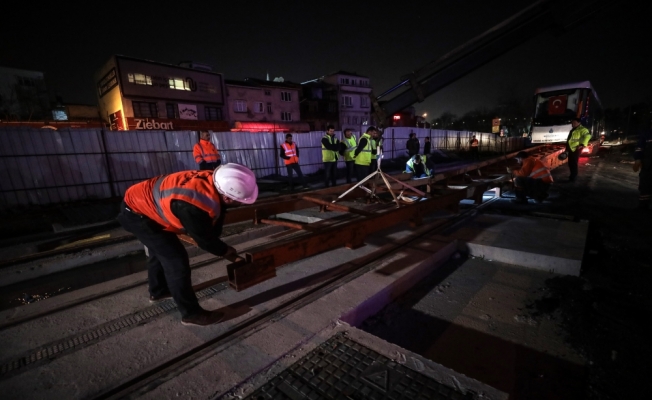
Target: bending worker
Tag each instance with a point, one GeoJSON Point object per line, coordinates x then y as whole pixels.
{"type": "Point", "coordinates": [206, 154]}
{"type": "Point", "coordinates": [190, 202]}
{"type": "Point", "coordinates": [532, 179]}
{"type": "Point", "coordinates": [417, 165]}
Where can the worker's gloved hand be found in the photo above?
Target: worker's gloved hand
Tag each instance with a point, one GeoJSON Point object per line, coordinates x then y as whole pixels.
{"type": "Point", "coordinates": [636, 166]}
{"type": "Point", "coordinates": [232, 255]}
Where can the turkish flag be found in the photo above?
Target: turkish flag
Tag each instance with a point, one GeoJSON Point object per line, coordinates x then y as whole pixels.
{"type": "Point", "coordinates": [557, 105]}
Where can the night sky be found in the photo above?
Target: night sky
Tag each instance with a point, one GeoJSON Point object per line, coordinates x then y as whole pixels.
{"type": "Point", "coordinates": [303, 40]}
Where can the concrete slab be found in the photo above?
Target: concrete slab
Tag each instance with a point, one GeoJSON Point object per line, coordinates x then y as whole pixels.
{"type": "Point", "coordinates": [547, 244]}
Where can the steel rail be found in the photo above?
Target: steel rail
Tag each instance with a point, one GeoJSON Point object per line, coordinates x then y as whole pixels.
{"type": "Point", "coordinates": [143, 383]}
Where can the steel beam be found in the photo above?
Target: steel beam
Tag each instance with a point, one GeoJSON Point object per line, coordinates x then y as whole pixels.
{"type": "Point", "coordinates": [263, 260]}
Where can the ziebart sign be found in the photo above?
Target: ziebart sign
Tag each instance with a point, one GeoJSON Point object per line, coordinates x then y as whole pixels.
{"type": "Point", "coordinates": [140, 124]}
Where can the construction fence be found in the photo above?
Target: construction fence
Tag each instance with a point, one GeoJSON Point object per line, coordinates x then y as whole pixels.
{"type": "Point", "coordinates": [45, 167]}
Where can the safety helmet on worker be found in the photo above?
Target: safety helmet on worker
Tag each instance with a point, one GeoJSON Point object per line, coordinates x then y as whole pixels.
{"type": "Point", "coordinates": [236, 182]}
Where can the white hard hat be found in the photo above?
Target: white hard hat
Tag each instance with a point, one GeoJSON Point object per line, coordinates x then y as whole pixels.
{"type": "Point", "coordinates": [236, 182]}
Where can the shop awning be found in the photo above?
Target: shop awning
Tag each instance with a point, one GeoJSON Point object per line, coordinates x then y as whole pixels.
{"type": "Point", "coordinates": [251, 126]}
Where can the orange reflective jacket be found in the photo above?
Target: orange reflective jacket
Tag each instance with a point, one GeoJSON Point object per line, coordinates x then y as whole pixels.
{"type": "Point", "coordinates": [534, 168]}
{"type": "Point", "coordinates": [152, 197]}
{"type": "Point", "coordinates": [205, 151]}
{"type": "Point", "coordinates": [290, 151]}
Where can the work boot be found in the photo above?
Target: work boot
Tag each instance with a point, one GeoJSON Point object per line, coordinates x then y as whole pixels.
{"type": "Point", "coordinates": [203, 318]}
{"type": "Point", "coordinates": [157, 299]}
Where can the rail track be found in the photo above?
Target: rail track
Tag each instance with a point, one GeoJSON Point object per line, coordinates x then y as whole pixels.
{"type": "Point", "coordinates": [446, 189]}
{"type": "Point", "coordinates": [298, 242]}
{"type": "Point", "coordinates": [144, 382]}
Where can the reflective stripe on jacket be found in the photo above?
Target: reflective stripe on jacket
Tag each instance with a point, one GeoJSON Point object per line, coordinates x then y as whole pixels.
{"type": "Point", "coordinates": [205, 151]}
{"type": "Point", "coordinates": [290, 151]}
{"type": "Point", "coordinates": [152, 197]}
{"type": "Point", "coordinates": [535, 169]}
{"type": "Point", "coordinates": [351, 144]}
{"type": "Point", "coordinates": [578, 136]}
{"type": "Point", "coordinates": [328, 155]}
{"type": "Point", "coordinates": [364, 157]}
{"type": "Point", "coordinates": [409, 166]}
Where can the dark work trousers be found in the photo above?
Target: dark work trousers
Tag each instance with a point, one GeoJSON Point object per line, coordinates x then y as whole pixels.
{"type": "Point", "coordinates": [294, 167]}
{"type": "Point", "coordinates": [330, 173]}
{"type": "Point", "coordinates": [529, 187]}
{"type": "Point", "coordinates": [475, 154]}
{"type": "Point", "coordinates": [362, 171]}
{"type": "Point", "coordinates": [209, 166]}
{"type": "Point", "coordinates": [350, 171]}
{"type": "Point", "coordinates": [374, 165]}
{"type": "Point", "coordinates": [573, 161]}
{"type": "Point", "coordinates": [168, 267]}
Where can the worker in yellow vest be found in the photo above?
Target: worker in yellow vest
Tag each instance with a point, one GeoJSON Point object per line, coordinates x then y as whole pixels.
{"type": "Point", "coordinates": [363, 152]}
{"type": "Point", "coordinates": [350, 143]}
{"type": "Point", "coordinates": [330, 147]}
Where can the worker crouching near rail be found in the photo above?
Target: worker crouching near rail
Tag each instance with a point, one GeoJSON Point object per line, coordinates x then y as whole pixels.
{"type": "Point", "coordinates": [190, 202]}
{"type": "Point", "coordinates": [419, 166]}
{"type": "Point", "coordinates": [531, 179]}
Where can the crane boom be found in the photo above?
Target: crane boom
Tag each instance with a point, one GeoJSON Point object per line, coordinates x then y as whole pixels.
{"type": "Point", "coordinates": [528, 23]}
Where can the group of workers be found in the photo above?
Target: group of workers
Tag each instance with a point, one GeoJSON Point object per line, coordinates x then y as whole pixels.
{"type": "Point", "coordinates": [194, 202]}
{"type": "Point", "coordinates": [359, 155]}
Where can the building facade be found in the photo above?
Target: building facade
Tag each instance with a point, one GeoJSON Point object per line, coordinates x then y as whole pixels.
{"type": "Point", "coordinates": [319, 105]}
{"type": "Point", "coordinates": [256, 105]}
{"type": "Point", "coordinates": [136, 94]}
{"type": "Point", "coordinates": [353, 94]}
{"type": "Point", "coordinates": [23, 95]}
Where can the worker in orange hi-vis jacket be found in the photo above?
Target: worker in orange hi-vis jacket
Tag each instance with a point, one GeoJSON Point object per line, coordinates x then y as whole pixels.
{"type": "Point", "coordinates": [206, 154]}
{"type": "Point", "coordinates": [532, 178]}
{"type": "Point", "coordinates": [194, 203]}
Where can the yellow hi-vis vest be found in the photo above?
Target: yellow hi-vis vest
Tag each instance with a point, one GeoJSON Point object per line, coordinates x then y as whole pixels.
{"type": "Point", "coordinates": [410, 165]}
{"type": "Point", "coordinates": [364, 157]}
{"type": "Point", "coordinates": [328, 155]}
{"type": "Point", "coordinates": [350, 148]}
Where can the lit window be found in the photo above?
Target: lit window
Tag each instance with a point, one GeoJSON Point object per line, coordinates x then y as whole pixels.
{"type": "Point", "coordinates": [140, 79]}
{"type": "Point", "coordinates": [286, 96]}
{"type": "Point", "coordinates": [178, 84]}
{"type": "Point", "coordinates": [258, 107]}
{"type": "Point", "coordinates": [286, 116]}
{"type": "Point", "coordinates": [240, 106]}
